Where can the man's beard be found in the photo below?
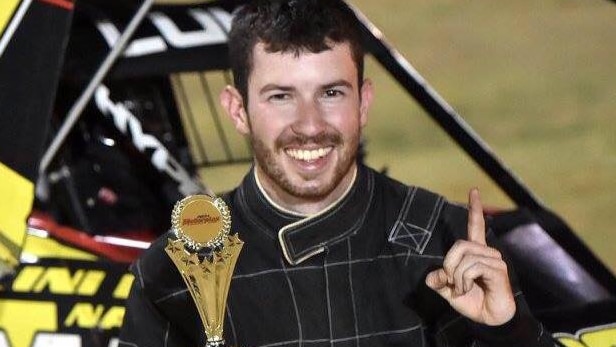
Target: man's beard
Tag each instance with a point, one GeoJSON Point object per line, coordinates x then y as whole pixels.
{"type": "Point", "coordinates": [267, 162]}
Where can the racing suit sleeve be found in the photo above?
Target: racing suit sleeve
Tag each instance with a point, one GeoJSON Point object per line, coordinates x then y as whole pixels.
{"type": "Point", "coordinates": [521, 331]}
{"type": "Point", "coordinates": [144, 325]}
{"type": "Point", "coordinates": [157, 310]}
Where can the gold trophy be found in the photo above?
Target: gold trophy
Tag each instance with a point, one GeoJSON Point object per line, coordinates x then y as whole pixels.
{"type": "Point", "coordinates": [205, 254]}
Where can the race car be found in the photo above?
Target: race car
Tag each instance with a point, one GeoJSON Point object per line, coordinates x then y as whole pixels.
{"type": "Point", "coordinates": [125, 123]}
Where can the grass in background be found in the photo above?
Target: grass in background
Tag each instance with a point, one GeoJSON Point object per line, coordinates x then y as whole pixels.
{"type": "Point", "coordinates": [536, 80]}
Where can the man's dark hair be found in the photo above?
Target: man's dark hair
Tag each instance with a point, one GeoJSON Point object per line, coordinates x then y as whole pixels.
{"type": "Point", "coordinates": [291, 26]}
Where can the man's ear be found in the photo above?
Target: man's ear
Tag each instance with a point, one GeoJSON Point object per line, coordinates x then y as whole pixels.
{"type": "Point", "coordinates": [367, 94]}
{"type": "Point", "coordinates": [232, 102]}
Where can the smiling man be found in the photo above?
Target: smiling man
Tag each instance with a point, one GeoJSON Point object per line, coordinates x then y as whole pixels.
{"type": "Point", "coordinates": [303, 112]}
{"type": "Point", "coordinates": [335, 253]}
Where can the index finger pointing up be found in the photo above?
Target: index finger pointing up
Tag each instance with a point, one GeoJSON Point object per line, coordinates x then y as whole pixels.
{"type": "Point", "coordinates": [476, 223]}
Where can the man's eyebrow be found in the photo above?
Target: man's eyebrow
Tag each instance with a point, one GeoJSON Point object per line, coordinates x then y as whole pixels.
{"type": "Point", "coordinates": [272, 86]}
{"type": "Point", "coordinates": [337, 83]}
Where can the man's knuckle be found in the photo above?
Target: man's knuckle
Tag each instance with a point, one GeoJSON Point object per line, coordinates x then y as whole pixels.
{"type": "Point", "coordinates": [496, 253]}
{"type": "Point", "coordinates": [448, 266]}
{"type": "Point", "coordinates": [460, 245]}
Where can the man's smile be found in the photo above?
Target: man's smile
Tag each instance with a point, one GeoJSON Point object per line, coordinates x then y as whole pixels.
{"type": "Point", "coordinates": [308, 154]}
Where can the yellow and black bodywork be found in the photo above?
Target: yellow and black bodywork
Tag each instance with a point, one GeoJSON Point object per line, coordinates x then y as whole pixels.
{"type": "Point", "coordinates": [68, 290]}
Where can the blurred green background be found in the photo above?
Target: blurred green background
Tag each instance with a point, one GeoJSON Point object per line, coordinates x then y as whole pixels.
{"type": "Point", "coordinates": [535, 79]}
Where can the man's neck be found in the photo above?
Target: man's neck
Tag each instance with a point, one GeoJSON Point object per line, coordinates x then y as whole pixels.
{"type": "Point", "coordinates": [305, 207]}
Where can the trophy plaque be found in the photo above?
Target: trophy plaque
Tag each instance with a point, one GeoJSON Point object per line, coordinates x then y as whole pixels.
{"type": "Point", "coordinates": [205, 255]}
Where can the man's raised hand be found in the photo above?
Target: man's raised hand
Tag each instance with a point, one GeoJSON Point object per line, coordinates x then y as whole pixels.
{"type": "Point", "coordinates": [474, 278]}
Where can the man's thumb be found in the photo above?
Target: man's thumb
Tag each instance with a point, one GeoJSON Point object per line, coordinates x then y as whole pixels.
{"type": "Point", "coordinates": [436, 279]}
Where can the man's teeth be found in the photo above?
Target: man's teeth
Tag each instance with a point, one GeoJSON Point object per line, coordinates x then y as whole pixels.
{"type": "Point", "coordinates": [303, 154]}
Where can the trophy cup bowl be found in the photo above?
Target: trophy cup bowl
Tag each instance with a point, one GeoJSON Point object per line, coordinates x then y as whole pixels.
{"type": "Point", "coordinates": [205, 255]}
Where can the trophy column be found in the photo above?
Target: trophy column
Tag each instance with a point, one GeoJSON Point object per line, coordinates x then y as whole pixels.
{"type": "Point", "coordinates": [205, 255]}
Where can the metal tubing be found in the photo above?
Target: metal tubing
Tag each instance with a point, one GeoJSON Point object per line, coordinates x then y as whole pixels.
{"type": "Point", "coordinates": [76, 110]}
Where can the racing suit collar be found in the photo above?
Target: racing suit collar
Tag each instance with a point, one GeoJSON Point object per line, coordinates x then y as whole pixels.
{"type": "Point", "coordinates": [301, 237]}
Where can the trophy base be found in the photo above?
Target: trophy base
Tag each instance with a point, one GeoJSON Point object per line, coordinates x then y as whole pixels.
{"type": "Point", "coordinates": [215, 343]}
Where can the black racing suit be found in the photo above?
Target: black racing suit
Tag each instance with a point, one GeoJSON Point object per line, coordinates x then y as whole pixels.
{"type": "Point", "coordinates": [352, 275]}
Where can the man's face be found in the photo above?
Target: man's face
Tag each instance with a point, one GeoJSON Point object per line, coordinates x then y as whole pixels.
{"type": "Point", "coordinates": [304, 118]}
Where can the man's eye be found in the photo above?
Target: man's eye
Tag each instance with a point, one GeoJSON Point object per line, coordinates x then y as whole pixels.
{"type": "Point", "coordinates": [279, 97]}
{"type": "Point", "coordinates": [331, 93]}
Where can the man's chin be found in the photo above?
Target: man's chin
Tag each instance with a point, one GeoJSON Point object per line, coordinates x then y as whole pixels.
{"type": "Point", "coordinates": [309, 194]}
{"type": "Point", "coordinates": [305, 188]}
{"type": "Point", "coordinates": [313, 188]}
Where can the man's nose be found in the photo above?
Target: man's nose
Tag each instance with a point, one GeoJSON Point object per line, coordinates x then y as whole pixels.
{"type": "Point", "coordinates": [310, 119]}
